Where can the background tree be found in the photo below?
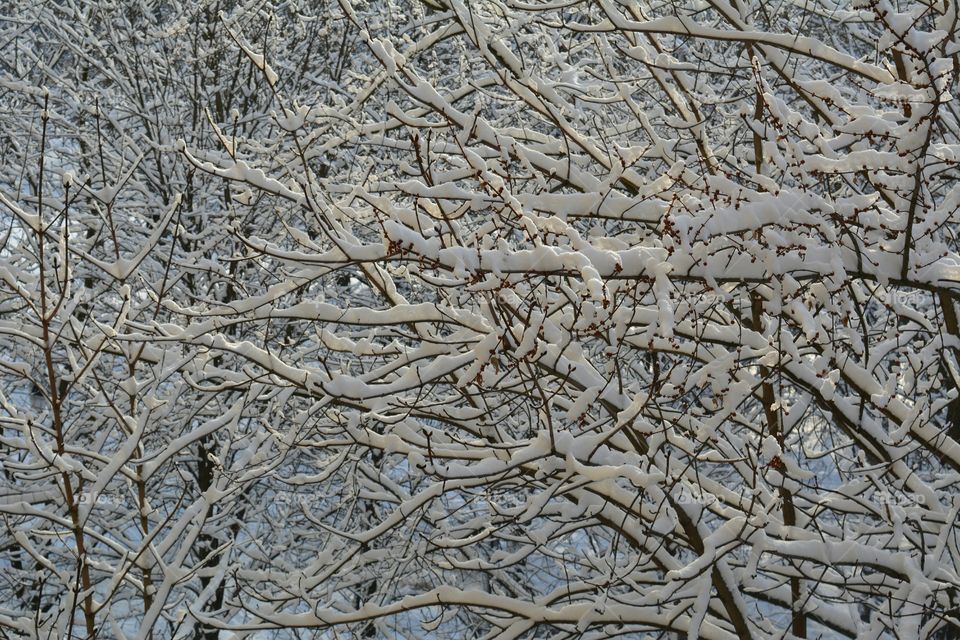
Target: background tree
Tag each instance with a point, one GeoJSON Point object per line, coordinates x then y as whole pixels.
{"type": "Point", "coordinates": [487, 319]}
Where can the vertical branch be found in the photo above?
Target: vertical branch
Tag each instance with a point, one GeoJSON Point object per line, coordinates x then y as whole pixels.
{"type": "Point", "coordinates": [55, 390]}
{"type": "Point", "coordinates": [767, 395]}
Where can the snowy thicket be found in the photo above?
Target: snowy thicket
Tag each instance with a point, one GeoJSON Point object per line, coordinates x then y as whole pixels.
{"type": "Point", "coordinates": [479, 319]}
